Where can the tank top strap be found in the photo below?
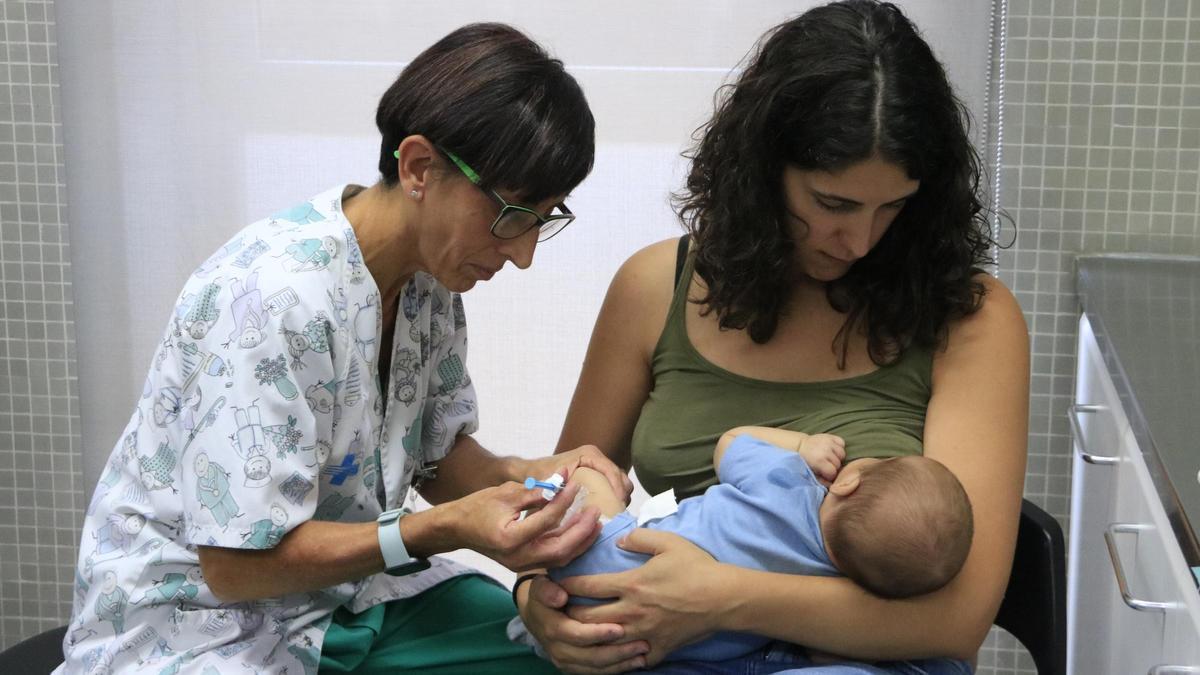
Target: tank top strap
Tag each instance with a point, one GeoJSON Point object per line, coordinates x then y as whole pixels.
{"type": "Point", "coordinates": [675, 330]}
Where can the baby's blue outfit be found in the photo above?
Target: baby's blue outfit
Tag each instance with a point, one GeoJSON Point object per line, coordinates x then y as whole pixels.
{"type": "Point", "coordinates": [763, 515]}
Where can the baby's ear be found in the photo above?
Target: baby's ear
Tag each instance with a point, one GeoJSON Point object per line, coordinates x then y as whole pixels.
{"type": "Point", "coordinates": [845, 484]}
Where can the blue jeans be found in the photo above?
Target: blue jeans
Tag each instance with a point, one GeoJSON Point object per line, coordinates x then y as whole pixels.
{"type": "Point", "coordinates": [781, 657]}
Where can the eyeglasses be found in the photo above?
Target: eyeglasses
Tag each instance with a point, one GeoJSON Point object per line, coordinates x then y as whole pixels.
{"type": "Point", "coordinates": [514, 221]}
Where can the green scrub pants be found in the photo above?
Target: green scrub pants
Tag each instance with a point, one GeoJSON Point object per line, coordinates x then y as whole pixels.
{"type": "Point", "coordinates": [456, 627]}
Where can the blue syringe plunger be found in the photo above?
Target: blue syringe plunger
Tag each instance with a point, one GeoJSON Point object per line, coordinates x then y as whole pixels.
{"type": "Point", "coordinates": [531, 483]}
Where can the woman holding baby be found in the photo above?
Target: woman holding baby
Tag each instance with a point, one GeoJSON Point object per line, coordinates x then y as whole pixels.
{"type": "Point", "coordinates": [831, 282]}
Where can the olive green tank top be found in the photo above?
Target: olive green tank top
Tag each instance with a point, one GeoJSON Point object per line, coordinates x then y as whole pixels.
{"type": "Point", "coordinates": [692, 402]}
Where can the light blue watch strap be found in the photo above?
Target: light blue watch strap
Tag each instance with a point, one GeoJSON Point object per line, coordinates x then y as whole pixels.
{"type": "Point", "coordinates": [391, 544]}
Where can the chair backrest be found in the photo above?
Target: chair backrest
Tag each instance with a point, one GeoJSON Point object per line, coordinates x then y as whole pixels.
{"type": "Point", "coordinates": [1035, 603]}
{"type": "Point", "coordinates": [38, 655]}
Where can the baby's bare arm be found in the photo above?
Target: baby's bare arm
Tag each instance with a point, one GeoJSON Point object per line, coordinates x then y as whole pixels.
{"type": "Point", "coordinates": [600, 493]}
{"type": "Point", "coordinates": [778, 437]}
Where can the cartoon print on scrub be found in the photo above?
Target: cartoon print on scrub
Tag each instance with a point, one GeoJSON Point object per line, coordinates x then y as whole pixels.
{"type": "Point", "coordinates": [321, 452]}
{"type": "Point", "coordinates": [354, 258]}
{"type": "Point", "coordinates": [170, 403]}
{"type": "Point", "coordinates": [435, 324]}
{"type": "Point", "coordinates": [161, 355]}
{"type": "Point", "coordinates": [412, 439]}
{"type": "Point", "coordinates": [301, 214]}
{"type": "Point", "coordinates": [267, 532]}
{"type": "Point", "coordinates": [406, 364]}
{"type": "Point", "coordinates": [204, 312]}
{"type": "Point", "coordinates": [173, 586]}
{"type": "Point", "coordinates": [306, 652]}
{"type": "Point", "coordinates": [411, 304]}
{"type": "Point", "coordinates": [285, 438]}
{"type": "Point", "coordinates": [195, 362]}
{"type": "Point", "coordinates": [157, 472]}
{"type": "Point", "coordinates": [116, 536]}
{"type": "Point", "coordinates": [332, 507]}
{"type": "Point", "coordinates": [435, 433]}
{"type": "Point", "coordinates": [460, 314]}
{"type": "Point", "coordinates": [110, 604]}
{"type": "Point", "coordinates": [322, 396]}
{"type": "Point", "coordinates": [337, 302]}
{"type": "Point", "coordinates": [368, 463]}
{"type": "Point", "coordinates": [251, 253]}
{"type": "Point", "coordinates": [366, 327]}
{"type": "Point", "coordinates": [206, 268]}
{"type": "Point", "coordinates": [208, 419]}
{"type": "Point", "coordinates": [250, 444]}
{"type": "Point", "coordinates": [212, 489]}
{"type": "Point", "coordinates": [274, 371]}
{"type": "Point", "coordinates": [316, 337]}
{"type": "Point", "coordinates": [282, 301]}
{"type": "Point", "coordinates": [352, 384]}
{"type": "Point", "coordinates": [249, 317]}
{"type": "Point", "coordinates": [453, 374]}
{"type": "Point", "coordinates": [295, 488]}
{"type": "Point", "coordinates": [112, 476]}
{"type": "Point", "coordinates": [309, 255]}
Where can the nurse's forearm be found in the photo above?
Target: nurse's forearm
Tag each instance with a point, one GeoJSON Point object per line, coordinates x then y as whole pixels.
{"type": "Point", "coordinates": [468, 468]}
{"type": "Point", "coordinates": [315, 555]}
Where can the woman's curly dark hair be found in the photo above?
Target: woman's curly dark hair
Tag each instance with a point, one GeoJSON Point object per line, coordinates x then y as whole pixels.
{"type": "Point", "coordinates": [835, 86]}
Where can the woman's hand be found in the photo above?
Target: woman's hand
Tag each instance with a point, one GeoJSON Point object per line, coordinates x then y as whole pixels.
{"type": "Point", "coordinates": [573, 646]}
{"type": "Point", "coordinates": [488, 521]}
{"type": "Point", "coordinates": [585, 455]}
{"type": "Point", "coordinates": [670, 601]}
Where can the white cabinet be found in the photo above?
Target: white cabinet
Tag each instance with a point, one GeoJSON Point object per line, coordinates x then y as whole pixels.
{"type": "Point", "coordinates": [1132, 606]}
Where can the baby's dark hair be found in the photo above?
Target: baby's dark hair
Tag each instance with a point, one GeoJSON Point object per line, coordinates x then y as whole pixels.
{"type": "Point", "coordinates": [905, 531]}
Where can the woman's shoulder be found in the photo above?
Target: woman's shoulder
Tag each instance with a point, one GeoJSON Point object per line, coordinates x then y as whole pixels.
{"type": "Point", "coordinates": [999, 307]}
{"type": "Point", "coordinates": [639, 296]}
{"type": "Point", "coordinates": [650, 268]}
{"type": "Point", "coordinates": [646, 280]}
{"type": "Point", "coordinates": [997, 326]}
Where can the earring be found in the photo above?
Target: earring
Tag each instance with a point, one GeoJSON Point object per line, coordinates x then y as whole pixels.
{"type": "Point", "coordinates": [414, 194]}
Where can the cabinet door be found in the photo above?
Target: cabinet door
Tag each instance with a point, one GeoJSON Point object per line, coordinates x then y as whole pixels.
{"type": "Point", "coordinates": [1092, 598]}
{"type": "Point", "coordinates": [1137, 633]}
{"type": "Point", "coordinates": [1181, 644]}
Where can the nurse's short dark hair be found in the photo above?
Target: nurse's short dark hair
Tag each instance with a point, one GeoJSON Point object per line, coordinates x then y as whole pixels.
{"type": "Point", "coordinates": [496, 99]}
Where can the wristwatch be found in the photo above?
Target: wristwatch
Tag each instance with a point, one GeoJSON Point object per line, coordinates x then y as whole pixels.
{"type": "Point", "coordinates": [396, 560]}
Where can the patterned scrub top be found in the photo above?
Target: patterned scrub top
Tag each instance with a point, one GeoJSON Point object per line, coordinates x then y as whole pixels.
{"type": "Point", "coordinates": [262, 410]}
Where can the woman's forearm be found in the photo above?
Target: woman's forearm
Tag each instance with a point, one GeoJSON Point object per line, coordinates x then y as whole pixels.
{"type": "Point", "coordinates": [834, 615]}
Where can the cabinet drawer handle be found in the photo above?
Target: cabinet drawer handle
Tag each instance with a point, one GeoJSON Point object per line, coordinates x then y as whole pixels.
{"type": "Point", "coordinates": [1173, 670]}
{"type": "Point", "coordinates": [1110, 540]}
{"type": "Point", "coordinates": [1077, 432]}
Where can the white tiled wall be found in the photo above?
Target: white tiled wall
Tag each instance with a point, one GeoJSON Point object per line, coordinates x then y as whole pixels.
{"type": "Point", "coordinates": [41, 495]}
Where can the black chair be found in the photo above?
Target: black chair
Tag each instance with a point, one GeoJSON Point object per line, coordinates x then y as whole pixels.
{"type": "Point", "coordinates": [1034, 610]}
{"type": "Point", "coordinates": [37, 655]}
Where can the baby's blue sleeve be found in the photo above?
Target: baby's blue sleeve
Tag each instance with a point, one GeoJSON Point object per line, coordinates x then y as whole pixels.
{"type": "Point", "coordinates": [748, 459]}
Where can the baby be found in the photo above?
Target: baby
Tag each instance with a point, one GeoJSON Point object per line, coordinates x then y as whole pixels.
{"type": "Point", "coordinates": [898, 527]}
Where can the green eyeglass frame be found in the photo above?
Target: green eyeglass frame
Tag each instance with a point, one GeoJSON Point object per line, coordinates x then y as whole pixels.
{"type": "Point", "coordinates": [514, 221]}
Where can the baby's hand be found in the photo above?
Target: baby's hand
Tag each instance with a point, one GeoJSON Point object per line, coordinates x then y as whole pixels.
{"type": "Point", "coordinates": [824, 454]}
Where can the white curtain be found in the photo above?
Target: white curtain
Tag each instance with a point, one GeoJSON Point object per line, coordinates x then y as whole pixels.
{"type": "Point", "coordinates": [185, 121]}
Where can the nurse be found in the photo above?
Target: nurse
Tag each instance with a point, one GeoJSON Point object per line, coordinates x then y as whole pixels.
{"type": "Point", "coordinates": [344, 390]}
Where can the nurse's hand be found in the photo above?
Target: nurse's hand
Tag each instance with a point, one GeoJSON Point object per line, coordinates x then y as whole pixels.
{"type": "Point", "coordinates": [585, 455]}
{"type": "Point", "coordinates": [487, 521]}
{"type": "Point", "coordinates": [668, 602]}
{"type": "Point", "coordinates": [574, 646]}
